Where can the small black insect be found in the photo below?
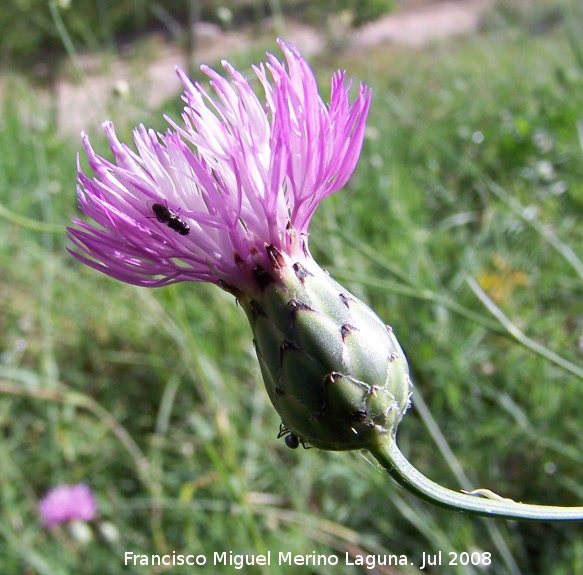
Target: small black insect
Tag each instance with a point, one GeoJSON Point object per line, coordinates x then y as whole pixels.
{"type": "Point", "coordinates": [291, 439]}
{"type": "Point", "coordinates": [169, 217]}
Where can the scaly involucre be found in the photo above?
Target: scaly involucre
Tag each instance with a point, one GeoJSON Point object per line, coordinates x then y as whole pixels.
{"type": "Point", "coordinates": [202, 201]}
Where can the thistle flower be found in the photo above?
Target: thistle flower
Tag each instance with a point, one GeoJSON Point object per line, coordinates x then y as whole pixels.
{"type": "Point", "coordinates": [242, 174]}
{"type": "Point", "coordinates": [67, 503]}
{"type": "Point", "coordinates": [226, 197]}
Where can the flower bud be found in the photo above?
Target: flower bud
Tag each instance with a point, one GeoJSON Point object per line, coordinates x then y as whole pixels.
{"type": "Point", "coordinates": [333, 370]}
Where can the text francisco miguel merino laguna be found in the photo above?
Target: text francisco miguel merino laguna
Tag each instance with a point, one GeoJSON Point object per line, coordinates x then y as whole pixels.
{"type": "Point", "coordinates": [241, 560]}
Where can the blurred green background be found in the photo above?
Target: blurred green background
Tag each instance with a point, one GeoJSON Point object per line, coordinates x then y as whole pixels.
{"type": "Point", "coordinates": [461, 227]}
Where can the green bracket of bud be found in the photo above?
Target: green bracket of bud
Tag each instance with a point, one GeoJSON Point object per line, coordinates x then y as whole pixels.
{"type": "Point", "coordinates": [333, 370]}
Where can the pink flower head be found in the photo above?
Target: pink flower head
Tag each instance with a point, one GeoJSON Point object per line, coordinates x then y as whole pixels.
{"type": "Point", "coordinates": [67, 503]}
{"type": "Point", "coordinates": [203, 200]}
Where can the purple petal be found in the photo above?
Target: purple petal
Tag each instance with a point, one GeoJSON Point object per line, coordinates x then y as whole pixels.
{"type": "Point", "coordinates": [229, 179]}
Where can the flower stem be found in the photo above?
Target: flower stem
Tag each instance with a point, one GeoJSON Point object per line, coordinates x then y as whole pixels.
{"type": "Point", "coordinates": [478, 502]}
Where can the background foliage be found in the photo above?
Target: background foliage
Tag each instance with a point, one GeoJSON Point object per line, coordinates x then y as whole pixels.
{"type": "Point", "coordinates": [467, 203]}
{"type": "Point", "coordinates": [29, 31]}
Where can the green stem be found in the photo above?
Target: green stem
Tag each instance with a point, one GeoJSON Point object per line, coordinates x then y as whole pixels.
{"type": "Point", "coordinates": [478, 502]}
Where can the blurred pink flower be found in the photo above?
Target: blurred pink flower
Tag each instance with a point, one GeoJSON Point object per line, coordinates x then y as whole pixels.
{"type": "Point", "coordinates": [202, 201]}
{"type": "Point", "coordinates": [67, 503]}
